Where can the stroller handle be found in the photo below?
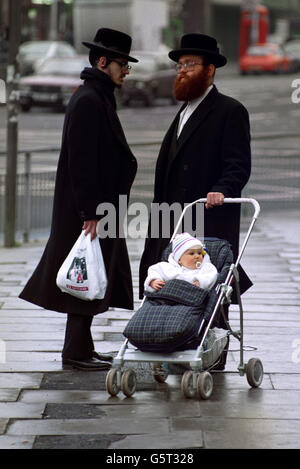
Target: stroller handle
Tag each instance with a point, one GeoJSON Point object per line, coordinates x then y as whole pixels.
{"type": "Point", "coordinates": [227, 200]}
{"type": "Point", "coordinates": [245, 200]}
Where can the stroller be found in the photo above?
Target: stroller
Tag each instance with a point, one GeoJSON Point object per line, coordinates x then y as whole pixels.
{"type": "Point", "coordinates": [195, 363]}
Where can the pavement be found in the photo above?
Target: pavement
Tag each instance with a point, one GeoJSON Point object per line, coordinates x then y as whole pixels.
{"type": "Point", "coordinates": [45, 407]}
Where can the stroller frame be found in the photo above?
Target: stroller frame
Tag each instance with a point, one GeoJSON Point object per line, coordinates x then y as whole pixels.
{"type": "Point", "coordinates": [196, 380]}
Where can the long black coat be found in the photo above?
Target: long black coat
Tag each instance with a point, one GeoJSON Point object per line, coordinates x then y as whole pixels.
{"type": "Point", "coordinates": [212, 154]}
{"type": "Point", "coordinates": [95, 165]}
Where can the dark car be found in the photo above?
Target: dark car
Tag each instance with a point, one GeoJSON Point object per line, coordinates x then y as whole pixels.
{"type": "Point", "coordinates": [151, 78]}
{"type": "Point", "coordinates": [292, 50]}
{"type": "Point", "coordinates": [53, 84]}
{"type": "Point", "coordinates": [33, 53]}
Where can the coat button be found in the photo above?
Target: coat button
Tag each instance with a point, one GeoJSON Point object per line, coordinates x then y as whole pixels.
{"type": "Point", "coordinates": [185, 167]}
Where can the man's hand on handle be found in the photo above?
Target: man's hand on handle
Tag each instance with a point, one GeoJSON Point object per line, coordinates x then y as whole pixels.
{"type": "Point", "coordinates": [214, 199]}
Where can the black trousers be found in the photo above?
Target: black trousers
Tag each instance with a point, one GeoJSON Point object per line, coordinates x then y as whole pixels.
{"type": "Point", "coordinates": [78, 343]}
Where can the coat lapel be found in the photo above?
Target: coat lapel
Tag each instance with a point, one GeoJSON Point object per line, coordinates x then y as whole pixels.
{"type": "Point", "coordinates": [196, 119]}
{"type": "Point", "coordinates": [165, 146]}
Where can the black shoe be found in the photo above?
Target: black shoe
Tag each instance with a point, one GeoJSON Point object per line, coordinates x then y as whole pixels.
{"type": "Point", "coordinates": [103, 357]}
{"type": "Point", "coordinates": [91, 364]}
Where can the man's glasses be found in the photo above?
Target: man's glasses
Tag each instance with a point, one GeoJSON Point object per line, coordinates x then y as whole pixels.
{"type": "Point", "coordinates": [123, 65]}
{"type": "Point", "coordinates": [187, 66]}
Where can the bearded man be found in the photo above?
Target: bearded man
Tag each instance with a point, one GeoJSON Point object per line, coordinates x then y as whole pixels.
{"type": "Point", "coordinates": [206, 151]}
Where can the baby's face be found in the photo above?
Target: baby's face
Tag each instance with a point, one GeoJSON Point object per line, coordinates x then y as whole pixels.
{"type": "Point", "coordinates": [191, 258]}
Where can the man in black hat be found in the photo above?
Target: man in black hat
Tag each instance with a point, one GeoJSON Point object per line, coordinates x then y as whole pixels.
{"type": "Point", "coordinates": [95, 166]}
{"type": "Point", "coordinates": [206, 151]}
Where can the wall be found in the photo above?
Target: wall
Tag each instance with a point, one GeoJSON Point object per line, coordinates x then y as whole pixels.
{"type": "Point", "coordinates": [142, 19]}
{"type": "Point", "coordinates": [148, 17]}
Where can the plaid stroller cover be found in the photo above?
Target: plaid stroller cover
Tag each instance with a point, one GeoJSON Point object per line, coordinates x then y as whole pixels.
{"type": "Point", "coordinates": [169, 319]}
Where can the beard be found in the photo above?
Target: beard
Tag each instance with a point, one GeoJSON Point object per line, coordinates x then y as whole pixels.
{"type": "Point", "coordinates": [187, 88]}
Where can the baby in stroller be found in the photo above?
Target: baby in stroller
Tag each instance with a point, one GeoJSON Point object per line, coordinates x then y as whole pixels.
{"type": "Point", "coordinates": [183, 328]}
{"type": "Point", "coordinates": [170, 315]}
{"type": "Point", "coordinates": [188, 261]}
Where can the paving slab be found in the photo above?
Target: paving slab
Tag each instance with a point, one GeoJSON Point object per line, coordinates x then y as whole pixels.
{"type": "Point", "coordinates": [75, 441]}
{"type": "Point", "coordinates": [241, 433]}
{"type": "Point", "coordinates": [101, 397]}
{"type": "Point", "coordinates": [16, 442]}
{"type": "Point", "coordinates": [285, 381]}
{"type": "Point", "coordinates": [36, 346]}
{"type": "Point", "coordinates": [175, 441]}
{"type": "Point", "coordinates": [253, 404]}
{"type": "Point", "coordinates": [32, 356]}
{"type": "Point", "coordinates": [3, 425]}
{"type": "Point", "coordinates": [28, 367]}
{"type": "Point", "coordinates": [20, 380]}
{"type": "Point", "coordinates": [98, 426]}
{"type": "Point", "coordinates": [9, 395]}
{"type": "Point", "coordinates": [19, 410]}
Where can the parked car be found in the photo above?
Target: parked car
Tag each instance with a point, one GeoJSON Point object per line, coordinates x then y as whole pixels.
{"type": "Point", "coordinates": [151, 78]}
{"type": "Point", "coordinates": [292, 50]}
{"type": "Point", "coordinates": [33, 53]}
{"type": "Point", "coordinates": [53, 84]}
{"type": "Point", "coordinates": [262, 58]}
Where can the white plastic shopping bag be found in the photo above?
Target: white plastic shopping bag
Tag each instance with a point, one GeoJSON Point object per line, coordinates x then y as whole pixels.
{"type": "Point", "coordinates": [83, 273]}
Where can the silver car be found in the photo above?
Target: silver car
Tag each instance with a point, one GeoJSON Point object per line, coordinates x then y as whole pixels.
{"type": "Point", "coordinates": [53, 84]}
{"type": "Point", "coordinates": [33, 53]}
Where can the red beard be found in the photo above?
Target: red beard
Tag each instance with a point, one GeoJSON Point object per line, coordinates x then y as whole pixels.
{"type": "Point", "coordinates": [187, 88]}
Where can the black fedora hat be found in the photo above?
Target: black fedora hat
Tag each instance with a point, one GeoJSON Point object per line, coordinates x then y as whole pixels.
{"type": "Point", "coordinates": [199, 44]}
{"type": "Point", "coordinates": [111, 43]}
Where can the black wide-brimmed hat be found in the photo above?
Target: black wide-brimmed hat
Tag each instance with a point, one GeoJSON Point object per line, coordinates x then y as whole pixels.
{"type": "Point", "coordinates": [111, 43]}
{"type": "Point", "coordinates": [199, 44]}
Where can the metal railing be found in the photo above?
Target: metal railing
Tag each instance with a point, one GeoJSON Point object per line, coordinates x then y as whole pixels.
{"type": "Point", "coordinates": [34, 198]}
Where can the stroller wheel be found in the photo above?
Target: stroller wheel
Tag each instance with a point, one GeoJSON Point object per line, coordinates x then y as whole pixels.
{"type": "Point", "coordinates": [187, 384]}
{"type": "Point", "coordinates": [254, 372]}
{"type": "Point", "coordinates": [205, 385]}
{"type": "Point", "coordinates": [111, 382]}
{"type": "Point", "coordinates": [159, 373]}
{"type": "Point", "coordinates": [128, 382]}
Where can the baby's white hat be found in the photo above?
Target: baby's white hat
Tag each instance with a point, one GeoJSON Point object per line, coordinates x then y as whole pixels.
{"type": "Point", "coordinates": [182, 242]}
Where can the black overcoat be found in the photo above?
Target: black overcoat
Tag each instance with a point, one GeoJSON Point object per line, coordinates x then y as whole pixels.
{"type": "Point", "coordinates": [212, 154]}
{"type": "Point", "coordinates": [96, 165]}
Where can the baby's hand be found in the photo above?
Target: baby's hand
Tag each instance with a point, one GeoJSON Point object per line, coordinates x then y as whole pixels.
{"type": "Point", "coordinates": [157, 284]}
{"type": "Point", "coordinates": [197, 283]}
